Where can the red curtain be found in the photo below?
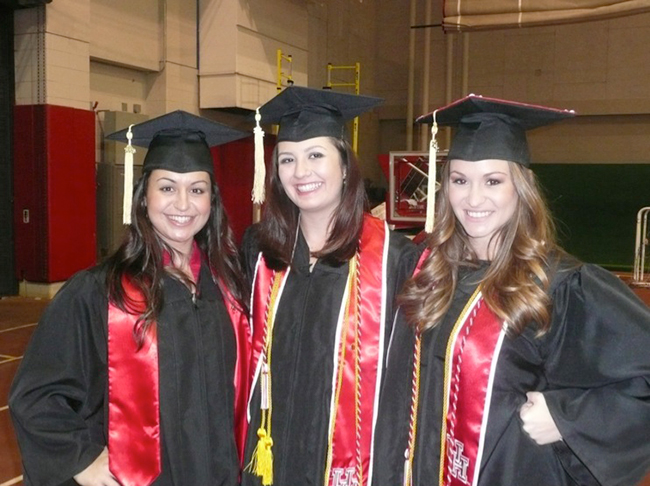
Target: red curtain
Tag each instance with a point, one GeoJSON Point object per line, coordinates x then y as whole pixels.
{"type": "Point", "coordinates": [468, 15]}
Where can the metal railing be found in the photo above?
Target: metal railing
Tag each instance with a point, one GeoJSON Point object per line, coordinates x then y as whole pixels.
{"type": "Point", "coordinates": [640, 246]}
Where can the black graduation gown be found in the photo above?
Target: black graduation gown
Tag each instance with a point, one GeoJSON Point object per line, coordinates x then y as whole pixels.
{"type": "Point", "coordinates": [58, 399]}
{"type": "Point", "coordinates": [301, 365]}
{"type": "Point", "coordinates": [593, 368]}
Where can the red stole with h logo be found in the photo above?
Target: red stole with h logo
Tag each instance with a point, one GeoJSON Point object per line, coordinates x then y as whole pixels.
{"type": "Point", "coordinates": [470, 363]}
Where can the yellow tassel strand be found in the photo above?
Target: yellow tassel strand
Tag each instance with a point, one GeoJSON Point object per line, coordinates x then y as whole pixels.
{"type": "Point", "coordinates": [262, 460]}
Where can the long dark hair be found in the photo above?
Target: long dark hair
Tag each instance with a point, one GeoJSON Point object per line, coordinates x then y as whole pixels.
{"type": "Point", "coordinates": [280, 217]}
{"type": "Point", "coordinates": [140, 259]}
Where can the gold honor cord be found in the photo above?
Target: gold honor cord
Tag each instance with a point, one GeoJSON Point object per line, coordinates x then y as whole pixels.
{"type": "Point", "coordinates": [415, 403]}
{"type": "Point", "coordinates": [357, 371]}
{"type": "Point", "coordinates": [261, 463]}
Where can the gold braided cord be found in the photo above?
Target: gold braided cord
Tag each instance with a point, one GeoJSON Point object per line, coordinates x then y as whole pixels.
{"type": "Point", "coordinates": [447, 378]}
{"type": "Point", "coordinates": [339, 378]}
{"type": "Point", "coordinates": [357, 373]}
{"type": "Point", "coordinates": [415, 406]}
{"type": "Point", "coordinates": [268, 345]}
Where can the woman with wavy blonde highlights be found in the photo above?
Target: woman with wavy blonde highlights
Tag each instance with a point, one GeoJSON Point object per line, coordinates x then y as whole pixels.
{"type": "Point", "coordinates": [515, 360]}
{"type": "Point", "coordinates": [525, 245]}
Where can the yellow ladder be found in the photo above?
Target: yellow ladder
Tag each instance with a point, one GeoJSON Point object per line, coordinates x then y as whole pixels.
{"type": "Point", "coordinates": [357, 76]}
{"type": "Point", "coordinates": [281, 74]}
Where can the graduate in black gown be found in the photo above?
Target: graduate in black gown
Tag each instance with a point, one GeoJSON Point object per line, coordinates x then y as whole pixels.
{"type": "Point", "coordinates": [514, 364]}
{"type": "Point", "coordinates": [325, 275]}
{"type": "Point", "coordinates": [135, 369]}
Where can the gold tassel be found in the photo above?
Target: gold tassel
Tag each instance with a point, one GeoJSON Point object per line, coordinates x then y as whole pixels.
{"type": "Point", "coordinates": [262, 458]}
{"type": "Point", "coordinates": [431, 183]}
{"type": "Point", "coordinates": [260, 167]}
{"type": "Point", "coordinates": [261, 463]}
{"type": "Point", "coordinates": [127, 202]}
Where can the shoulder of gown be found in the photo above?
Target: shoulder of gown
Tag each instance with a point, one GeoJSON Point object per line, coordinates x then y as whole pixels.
{"type": "Point", "coordinates": [249, 250]}
{"type": "Point", "coordinates": [57, 396]}
{"type": "Point", "coordinates": [598, 369]}
{"type": "Point", "coordinates": [403, 257]}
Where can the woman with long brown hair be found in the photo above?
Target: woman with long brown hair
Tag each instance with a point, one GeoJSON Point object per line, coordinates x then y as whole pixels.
{"type": "Point", "coordinates": [136, 373]}
{"type": "Point", "coordinates": [325, 275]}
{"type": "Point", "coordinates": [517, 363]}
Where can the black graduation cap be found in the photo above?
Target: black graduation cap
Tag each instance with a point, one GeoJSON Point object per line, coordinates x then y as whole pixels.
{"type": "Point", "coordinates": [304, 113]}
{"type": "Point", "coordinates": [489, 128]}
{"type": "Point", "coordinates": [179, 141]}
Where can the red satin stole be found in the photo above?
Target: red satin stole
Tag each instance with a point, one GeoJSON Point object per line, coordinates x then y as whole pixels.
{"type": "Point", "coordinates": [243, 333]}
{"type": "Point", "coordinates": [470, 363]}
{"type": "Point", "coordinates": [133, 389]}
{"type": "Point", "coordinates": [133, 400]}
{"type": "Point", "coordinates": [351, 430]}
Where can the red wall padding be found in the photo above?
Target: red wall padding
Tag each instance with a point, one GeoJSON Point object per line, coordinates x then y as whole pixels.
{"type": "Point", "coordinates": [54, 179]}
{"type": "Point", "coordinates": [234, 169]}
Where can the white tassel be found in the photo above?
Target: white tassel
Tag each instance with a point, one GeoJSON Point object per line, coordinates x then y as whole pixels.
{"type": "Point", "coordinates": [127, 203]}
{"type": "Point", "coordinates": [431, 183]}
{"type": "Point", "coordinates": [406, 478]}
{"type": "Point", "coordinates": [260, 167]}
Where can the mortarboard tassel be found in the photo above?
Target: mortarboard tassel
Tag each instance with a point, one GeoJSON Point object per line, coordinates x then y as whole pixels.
{"type": "Point", "coordinates": [129, 150]}
{"type": "Point", "coordinates": [431, 183]}
{"type": "Point", "coordinates": [260, 167]}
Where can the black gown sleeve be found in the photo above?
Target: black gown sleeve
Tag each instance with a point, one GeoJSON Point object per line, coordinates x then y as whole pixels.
{"type": "Point", "coordinates": [598, 371]}
{"type": "Point", "coordinates": [392, 429]}
{"type": "Point", "coordinates": [403, 256]}
{"type": "Point", "coordinates": [390, 439]}
{"type": "Point", "coordinates": [249, 251]}
{"type": "Point", "coordinates": [57, 397]}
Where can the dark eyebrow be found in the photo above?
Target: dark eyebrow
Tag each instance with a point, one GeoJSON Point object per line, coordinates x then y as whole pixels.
{"type": "Point", "coordinates": [306, 149]}
{"type": "Point", "coordinates": [173, 181]}
{"type": "Point", "coordinates": [314, 147]}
